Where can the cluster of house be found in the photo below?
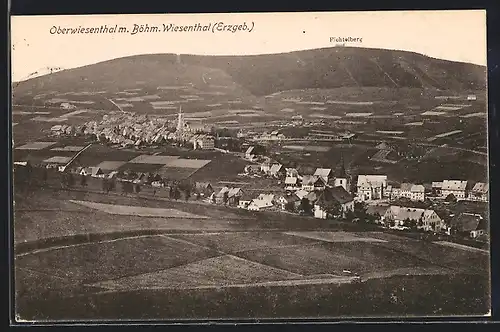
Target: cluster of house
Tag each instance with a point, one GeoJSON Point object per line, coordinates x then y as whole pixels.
{"type": "Point", "coordinates": [126, 129]}
{"type": "Point", "coordinates": [318, 201]}
{"type": "Point", "coordinates": [129, 129]}
{"type": "Point", "coordinates": [63, 130]}
{"type": "Point", "coordinates": [274, 135]}
{"type": "Point", "coordinates": [376, 187]}
{"type": "Point", "coordinates": [321, 189]}
{"type": "Point", "coordinates": [462, 190]}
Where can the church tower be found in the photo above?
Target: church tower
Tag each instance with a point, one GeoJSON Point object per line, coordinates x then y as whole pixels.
{"type": "Point", "coordinates": [341, 177]}
{"type": "Point", "coordinates": [180, 121]}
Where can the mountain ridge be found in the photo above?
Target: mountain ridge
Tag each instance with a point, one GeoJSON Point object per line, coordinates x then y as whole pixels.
{"type": "Point", "coordinates": [259, 75]}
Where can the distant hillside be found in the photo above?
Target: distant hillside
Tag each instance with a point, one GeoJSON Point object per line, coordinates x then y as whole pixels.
{"type": "Point", "coordinates": [266, 74]}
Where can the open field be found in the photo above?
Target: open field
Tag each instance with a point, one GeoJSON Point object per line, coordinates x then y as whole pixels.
{"type": "Point", "coordinates": [149, 159]}
{"type": "Point", "coordinates": [144, 254]}
{"type": "Point", "coordinates": [138, 210]}
{"type": "Point", "coordinates": [218, 271]}
{"type": "Point", "coordinates": [35, 145]}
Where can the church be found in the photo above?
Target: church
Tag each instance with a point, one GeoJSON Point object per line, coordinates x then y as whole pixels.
{"type": "Point", "coordinates": [185, 127]}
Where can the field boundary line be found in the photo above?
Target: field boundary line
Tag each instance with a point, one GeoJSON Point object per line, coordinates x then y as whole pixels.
{"type": "Point", "coordinates": [42, 273]}
{"type": "Point", "coordinates": [461, 246]}
{"type": "Point", "coordinates": [275, 283]}
{"type": "Point", "coordinates": [37, 251]}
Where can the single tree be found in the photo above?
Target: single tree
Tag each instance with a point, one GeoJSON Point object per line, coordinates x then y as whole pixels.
{"type": "Point", "coordinates": [360, 211]}
{"type": "Point", "coordinates": [187, 194]}
{"type": "Point", "coordinates": [111, 185]}
{"type": "Point", "coordinates": [83, 180]}
{"type": "Point", "coordinates": [137, 188]}
{"type": "Point", "coordinates": [105, 185]}
{"type": "Point", "coordinates": [333, 208]}
{"type": "Point", "coordinates": [177, 193]}
{"type": "Point", "coordinates": [305, 206]}
{"type": "Point", "coordinates": [350, 216]}
{"type": "Point", "coordinates": [451, 198]}
{"type": "Point", "coordinates": [290, 206]}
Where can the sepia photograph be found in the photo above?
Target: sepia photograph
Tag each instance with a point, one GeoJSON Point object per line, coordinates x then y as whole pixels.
{"type": "Point", "coordinates": [243, 166]}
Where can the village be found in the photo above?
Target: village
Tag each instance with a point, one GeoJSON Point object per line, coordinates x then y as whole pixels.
{"type": "Point", "coordinates": [325, 193]}
{"type": "Point", "coordinates": [322, 193]}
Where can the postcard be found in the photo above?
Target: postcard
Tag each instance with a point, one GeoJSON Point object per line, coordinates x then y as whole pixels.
{"type": "Point", "coordinates": [174, 167]}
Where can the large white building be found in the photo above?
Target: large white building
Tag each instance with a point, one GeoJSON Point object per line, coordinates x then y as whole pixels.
{"type": "Point", "coordinates": [371, 187]}
{"type": "Point", "coordinates": [414, 192]}
{"type": "Point", "coordinates": [203, 142]}
{"type": "Point", "coordinates": [455, 187]}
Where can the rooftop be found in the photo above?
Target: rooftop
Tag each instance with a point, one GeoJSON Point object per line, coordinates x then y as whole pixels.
{"type": "Point", "coordinates": [454, 185]}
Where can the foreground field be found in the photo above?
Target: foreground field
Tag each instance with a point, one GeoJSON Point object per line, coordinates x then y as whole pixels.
{"type": "Point", "coordinates": [75, 262]}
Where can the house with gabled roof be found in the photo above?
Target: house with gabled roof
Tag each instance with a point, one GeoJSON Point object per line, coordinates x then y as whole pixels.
{"type": "Point", "coordinates": [405, 190]}
{"type": "Point", "coordinates": [284, 200]}
{"type": "Point", "coordinates": [479, 193]}
{"type": "Point", "coordinates": [92, 171]}
{"type": "Point", "coordinates": [245, 200]}
{"type": "Point", "coordinates": [276, 170]}
{"type": "Point", "coordinates": [470, 224]}
{"type": "Point", "coordinates": [291, 183]}
{"type": "Point", "coordinates": [234, 195]}
{"type": "Point", "coordinates": [301, 193]}
{"type": "Point", "coordinates": [417, 192]}
{"type": "Point", "coordinates": [292, 172]}
{"type": "Point", "coordinates": [312, 182]}
{"type": "Point", "coordinates": [219, 197]}
{"type": "Point", "coordinates": [425, 219]}
{"type": "Point", "coordinates": [263, 201]}
{"type": "Point", "coordinates": [205, 189]}
{"type": "Point", "coordinates": [323, 173]}
{"type": "Point", "coordinates": [456, 187]}
{"type": "Point", "coordinates": [331, 196]}
{"type": "Point", "coordinates": [265, 166]}
{"type": "Point", "coordinates": [414, 192]}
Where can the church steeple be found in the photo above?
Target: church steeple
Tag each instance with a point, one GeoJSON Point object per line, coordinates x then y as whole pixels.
{"type": "Point", "coordinates": [180, 120]}
{"type": "Point", "coordinates": [341, 172]}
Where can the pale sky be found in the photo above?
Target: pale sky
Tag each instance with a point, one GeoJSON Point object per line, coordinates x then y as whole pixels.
{"type": "Point", "coordinates": [452, 35]}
